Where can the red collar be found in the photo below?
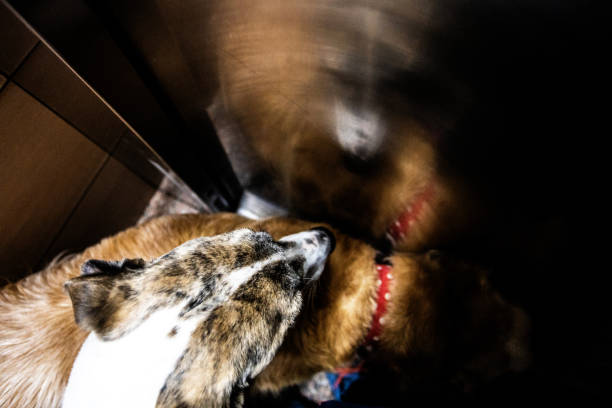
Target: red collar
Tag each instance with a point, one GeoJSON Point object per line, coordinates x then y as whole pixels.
{"type": "Point", "coordinates": [384, 279]}
{"type": "Point", "coordinates": [378, 320]}
{"type": "Point", "coordinates": [404, 223]}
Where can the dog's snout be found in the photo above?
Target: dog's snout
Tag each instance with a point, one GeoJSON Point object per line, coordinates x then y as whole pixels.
{"type": "Point", "coordinates": [314, 246]}
{"type": "Point", "coordinates": [326, 234]}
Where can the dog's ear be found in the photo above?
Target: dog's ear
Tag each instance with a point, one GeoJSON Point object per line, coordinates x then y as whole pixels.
{"type": "Point", "coordinates": [89, 295]}
{"type": "Point", "coordinates": [96, 266]}
{"type": "Point", "coordinates": [93, 302]}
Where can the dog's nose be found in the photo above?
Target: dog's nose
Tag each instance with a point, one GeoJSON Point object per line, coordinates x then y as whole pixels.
{"type": "Point", "coordinates": [327, 234]}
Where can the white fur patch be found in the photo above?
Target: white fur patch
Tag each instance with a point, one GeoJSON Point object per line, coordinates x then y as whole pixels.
{"type": "Point", "coordinates": [241, 275]}
{"type": "Point", "coordinates": [360, 132]}
{"type": "Point", "coordinates": [129, 371]}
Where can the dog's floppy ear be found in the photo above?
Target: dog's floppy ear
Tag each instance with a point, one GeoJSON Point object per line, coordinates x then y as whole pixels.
{"type": "Point", "coordinates": [96, 266]}
{"type": "Point", "coordinates": [89, 295]}
{"type": "Point", "coordinates": [91, 299]}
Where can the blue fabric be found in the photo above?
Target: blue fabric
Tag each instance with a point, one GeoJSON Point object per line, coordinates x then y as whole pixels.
{"type": "Point", "coordinates": [344, 385]}
{"type": "Point", "coordinates": [339, 404]}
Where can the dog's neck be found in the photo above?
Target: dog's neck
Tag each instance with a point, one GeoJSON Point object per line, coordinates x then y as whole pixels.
{"type": "Point", "coordinates": [394, 278]}
{"type": "Point", "coordinates": [384, 282]}
{"type": "Point", "coordinates": [397, 331]}
{"type": "Point", "coordinates": [131, 370]}
{"type": "Point", "coordinates": [339, 317]}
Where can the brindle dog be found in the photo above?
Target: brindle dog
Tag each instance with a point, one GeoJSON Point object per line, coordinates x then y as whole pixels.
{"type": "Point", "coordinates": [191, 327]}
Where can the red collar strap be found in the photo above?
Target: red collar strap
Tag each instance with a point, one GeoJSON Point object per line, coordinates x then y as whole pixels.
{"type": "Point", "coordinates": [384, 279]}
{"type": "Point", "coordinates": [404, 223]}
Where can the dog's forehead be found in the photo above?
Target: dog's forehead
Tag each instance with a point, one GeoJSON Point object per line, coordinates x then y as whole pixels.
{"type": "Point", "coordinates": [236, 238]}
{"type": "Point", "coordinates": [223, 252]}
{"type": "Point", "coordinates": [240, 236]}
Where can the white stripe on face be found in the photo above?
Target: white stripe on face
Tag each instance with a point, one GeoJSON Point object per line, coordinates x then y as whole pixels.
{"type": "Point", "coordinates": [314, 246]}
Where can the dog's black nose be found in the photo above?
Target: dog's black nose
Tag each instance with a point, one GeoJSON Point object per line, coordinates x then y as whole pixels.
{"type": "Point", "coordinates": [330, 236]}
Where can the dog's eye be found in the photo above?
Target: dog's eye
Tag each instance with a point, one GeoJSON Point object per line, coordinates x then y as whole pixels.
{"type": "Point", "coordinates": [261, 238]}
{"type": "Point", "coordinates": [297, 264]}
{"type": "Point", "coordinates": [264, 235]}
{"type": "Point", "coordinates": [285, 244]}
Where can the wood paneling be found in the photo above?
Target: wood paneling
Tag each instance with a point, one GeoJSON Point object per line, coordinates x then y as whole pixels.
{"type": "Point", "coordinates": [115, 201]}
{"type": "Point", "coordinates": [47, 77]}
{"type": "Point", "coordinates": [16, 41]}
{"type": "Point", "coordinates": [137, 157]}
{"type": "Point", "coordinates": [102, 50]}
{"type": "Point", "coordinates": [45, 168]}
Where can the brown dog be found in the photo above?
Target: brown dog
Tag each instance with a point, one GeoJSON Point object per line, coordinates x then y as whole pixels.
{"type": "Point", "coordinates": [440, 318]}
{"type": "Point", "coordinates": [392, 119]}
{"type": "Point", "coordinates": [318, 93]}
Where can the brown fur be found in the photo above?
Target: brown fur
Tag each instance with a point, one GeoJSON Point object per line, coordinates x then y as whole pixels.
{"type": "Point", "coordinates": [39, 338]}
{"type": "Point", "coordinates": [283, 68]}
{"type": "Point", "coordinates": [443, 314]}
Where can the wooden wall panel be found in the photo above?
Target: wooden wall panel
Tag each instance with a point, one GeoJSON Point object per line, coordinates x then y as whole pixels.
{"type": "Point", "coordinates": [71, 172]}
{"type": "Point", "coordinates": [115, 200]}
{"type": "Point", "coordinates": [45, 167]}
{"type": "Point", "coordinates": [47, 77]}
{"type": "Point", "coordinates": [15, 43]}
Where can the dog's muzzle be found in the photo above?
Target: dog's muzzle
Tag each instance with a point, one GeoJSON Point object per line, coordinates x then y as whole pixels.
{"type": "Point", "coordinates": [315, 246]}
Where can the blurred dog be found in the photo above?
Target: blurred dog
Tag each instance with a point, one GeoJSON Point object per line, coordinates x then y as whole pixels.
{"type": "Point", "coordinates": [442, 319]}
{"type": "Point", "coordinates": [338, 104]}
{"type": "Point", "coordinates": [422, 123]}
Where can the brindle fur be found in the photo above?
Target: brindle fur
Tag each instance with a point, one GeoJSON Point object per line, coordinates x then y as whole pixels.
{"type": "Point", "coordinates": [40, 339]}
{"type": "Point", "coordinates": [235, 342]}
{"type": "Point", "coordinates": [239, 331]}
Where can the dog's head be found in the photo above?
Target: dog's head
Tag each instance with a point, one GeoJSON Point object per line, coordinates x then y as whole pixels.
{"type": "Point", "coordinates": [237, 292]}
{"type": "Point", "coordinates": [474, 335]}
